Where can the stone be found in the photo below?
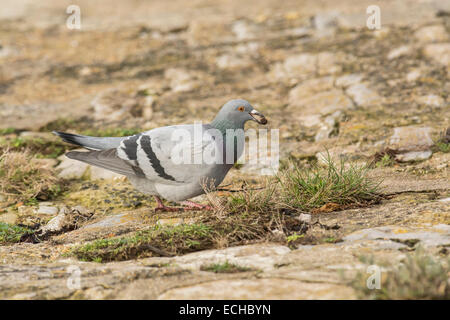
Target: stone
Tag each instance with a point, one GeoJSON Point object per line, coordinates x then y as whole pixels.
{"type": "Point", "coordinates": [310, 87]}
{"type": "Point", "coordinates": [326, 20]}
{"type": "Point", "coordinates": [324, 103]}
{"type": "Point", "coordinates": [304, 217]}
{"type": "Point", "coordinates": [147, 108]}
{"type": "Point", "coordinates": [436, 33]}
{"type": "Point", "coordinates": [112, 221]}
{"type": "Point", "coordinates": [25, 210]}
{"type": "Point", "coordinates": [45, 209]}
{"type": "Point", "coordinates": [244, 289]}
{"type": "Point", "coordinates": [97, 173]}
{"type": "Point", "coordinates": [181, 80]}
{"type": "Point", "coordinates": [348, 80]}
{"type": "Point", "coordinates": [258, 256]}
{"type": "Point", "coordinates": [54, 225]}
{"type": "Point", "coordinates": [438, 235]}
{"type": "Point", "coordinates": [324, 133]}
{"type": "Point", "coordinates": [310, 121]}
{"type": "Point", "coordinates": [296, 65]}
{"type": "Point", "coordinates": [71, 169]}
{"type": "Point", "coordinates": [440, 52]}
{"type": "Point", "coordinates": [203, 32]}
{"type": "Point", "coordinates": [329, 126]}
{"type": "Point", "coordinates": [399, 52]}
{"type": "Point", "coordinates": [406, 139]}
{"type": "Point", "coordinates": [8, 217]}
{"type": "Point", "coordinates": [244, 30]}
{"type": "Point", "coordinates": [413, 75]}
{"type": "Point", "coordinates": [328, 63]}
{"type": "Point", "coordinates": [431, 100]}
{"type": "Point", "coordinates": [113, 105]}
{"type": "Point", "coordinates": [413, 156]}
{"type": "Point", "coordinates": [231, 61]}
{"type": "Point", "coordinates": [362, 95]}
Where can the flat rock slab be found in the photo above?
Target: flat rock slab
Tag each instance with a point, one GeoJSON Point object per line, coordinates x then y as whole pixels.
{"type": "Point", "coordinates": [260, 289]}
{"type": "Point", "coordinates": [438, 235]}
{"type": "Point", "coordinates": [106, 226]}
{"type": "Point", "coordinates": [261, 256]}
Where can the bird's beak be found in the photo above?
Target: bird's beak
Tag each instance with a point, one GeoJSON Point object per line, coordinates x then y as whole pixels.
{"type": "Point", "coordinates": [258, 117]}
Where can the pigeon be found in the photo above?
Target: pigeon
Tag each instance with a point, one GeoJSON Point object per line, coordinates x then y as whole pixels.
{"type": "Point", "coordinates": [173, 162]}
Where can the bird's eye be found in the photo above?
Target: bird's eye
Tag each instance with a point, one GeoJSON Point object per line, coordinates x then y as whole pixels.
{"type": "Point", "coordinates": [241, 108]}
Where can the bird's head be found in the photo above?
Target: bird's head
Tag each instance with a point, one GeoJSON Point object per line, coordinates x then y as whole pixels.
{"type": "Point", "coordinates": [239, 111]}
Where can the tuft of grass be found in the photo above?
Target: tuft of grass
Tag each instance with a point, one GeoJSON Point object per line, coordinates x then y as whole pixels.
{"type": "Point", "coordinates": [12, 233]}
{"type": "Point", "coordinates": [225, 267]}
{"type": "Point", "coordinates": [251, 200]}
{"type": "Point", "coordinates": [385, 161]}
{"type": "Point", "coordinates": [317, 186]}
{"type": "Point", "coordinates": [418, 276]}
{"type": "Point", "coordinates": [21, 179]}
{"type": "Point", "coordinates": [157, 241]}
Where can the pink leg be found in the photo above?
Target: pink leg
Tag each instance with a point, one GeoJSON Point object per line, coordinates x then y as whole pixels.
{"type": "Point", "coordinates": [195, 206]}
{"type": "Point", "coordinates": [162, 207]}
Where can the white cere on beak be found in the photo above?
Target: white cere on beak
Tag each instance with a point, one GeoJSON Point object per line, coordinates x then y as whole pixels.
{"type": "Point", "coordinates": [258, 117]}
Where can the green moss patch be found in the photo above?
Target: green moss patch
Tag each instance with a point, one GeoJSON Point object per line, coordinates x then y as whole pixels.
{"type": "Point", "coordinates": [157, 241]}
{"type": "Point", "coordinates": [12, 233]}
{"type": "Point", "coordinates": [225, 267]}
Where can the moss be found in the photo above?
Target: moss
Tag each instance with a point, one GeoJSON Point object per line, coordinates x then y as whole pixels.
{"type": "Point", "coordinates": [7, 131]}
{"type": "Point", "coordinates": [442, 147]}
{"type": "Point", "coordinates": [106, 197]}
{"type": "Point", "coordinates": [12, 233]}
{"type": "Point", "coordinates": [157, 241]}
{"type": "Point", "coordinates": [225, 267]}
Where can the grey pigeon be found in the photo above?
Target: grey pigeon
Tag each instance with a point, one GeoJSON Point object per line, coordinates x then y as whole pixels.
{"type": "Point", "coordinates": [170, 162]}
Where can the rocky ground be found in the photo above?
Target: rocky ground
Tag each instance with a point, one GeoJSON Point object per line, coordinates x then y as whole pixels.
{"type": "Point", "coordinates": [327, 82]}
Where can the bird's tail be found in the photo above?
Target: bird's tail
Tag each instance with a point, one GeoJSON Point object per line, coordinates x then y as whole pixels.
{"type": "Point", "coordinates": [92, 143]}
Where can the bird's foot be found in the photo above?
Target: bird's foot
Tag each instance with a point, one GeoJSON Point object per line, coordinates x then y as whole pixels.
{"type": "Point", "coordinates": [189, 205]}
{"type": "Point", "coordinates": [162, 207]}
{"type": "Point", "coordinates": [168, 209]}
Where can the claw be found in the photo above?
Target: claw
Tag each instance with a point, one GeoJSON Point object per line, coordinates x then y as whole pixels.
{"type": "Point", "coordinates": [162, 207]}
{"type": "Point", "coordinates": [189, 205]}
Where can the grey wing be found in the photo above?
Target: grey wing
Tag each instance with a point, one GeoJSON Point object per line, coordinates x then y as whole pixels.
{"type": "Point", "coordinates": [106, 159]}
{"type": "Point", "coordinates": [154, 153]}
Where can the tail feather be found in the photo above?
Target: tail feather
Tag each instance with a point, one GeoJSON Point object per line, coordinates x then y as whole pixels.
{"type": "Point", "coordinates": [92, 143]}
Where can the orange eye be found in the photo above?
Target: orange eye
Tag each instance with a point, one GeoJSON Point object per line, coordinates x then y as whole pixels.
{"type": "Point", "coordinates": [241, 108]}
